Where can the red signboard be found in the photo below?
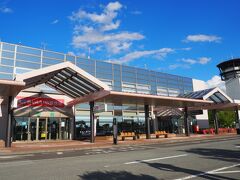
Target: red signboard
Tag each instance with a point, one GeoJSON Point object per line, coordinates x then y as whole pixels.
{"type": "Point", "coordinates": [39, 101]}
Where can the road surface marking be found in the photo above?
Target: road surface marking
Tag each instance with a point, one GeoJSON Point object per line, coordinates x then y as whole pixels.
{"type": "Point", "coordinates": [225, 172]}
{"type": "Point", "coordinates": [155, 159]}
{"type": "Point", "coordinates": [237, 146]}
{"type": "Point", "coordinates": [7, 157]}
{"type": "Point", "coordinates": [59, 153]}
{"type": "Point", "coordinates": [15, 156]}
{"type": "Point", "coordinates": [215, 171]}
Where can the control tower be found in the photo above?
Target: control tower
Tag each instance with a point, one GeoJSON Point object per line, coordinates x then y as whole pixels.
{"type": "Point", "coordinates": [230, 73]}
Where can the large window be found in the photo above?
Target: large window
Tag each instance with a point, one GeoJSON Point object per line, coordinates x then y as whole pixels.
{"type": "Point", "coordinates": [162, 91]}
{"type": "Point", "coordinates": [143, 89]}
{"type": "Point", "coordinates": [126, 87]}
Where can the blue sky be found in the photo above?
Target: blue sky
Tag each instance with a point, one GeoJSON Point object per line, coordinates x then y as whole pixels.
{"type": "Point", "coordinates": [182, 37]}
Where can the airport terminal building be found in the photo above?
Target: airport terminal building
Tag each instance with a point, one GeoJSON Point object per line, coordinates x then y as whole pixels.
{"type": "Point", "coordinates": [49, 106]}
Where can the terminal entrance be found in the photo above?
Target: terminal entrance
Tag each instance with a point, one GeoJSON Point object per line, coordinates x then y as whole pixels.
{"type": "Point", "coordinates": [38, 128]}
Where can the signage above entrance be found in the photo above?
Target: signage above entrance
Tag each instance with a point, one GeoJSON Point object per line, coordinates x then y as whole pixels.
{"type": "Point", "coordinates": [39, 101]}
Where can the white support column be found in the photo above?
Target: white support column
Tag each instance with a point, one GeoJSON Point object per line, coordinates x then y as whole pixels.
{"type": "Point", "coordinates": [37, 129]}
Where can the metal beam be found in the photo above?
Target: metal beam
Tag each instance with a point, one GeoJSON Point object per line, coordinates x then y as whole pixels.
{"type": "Point", "coordinates": [84, 80]}
{"type": "Point", "coordinates": [67, 89]}
{"type": "Point", "coordinates": [237, 121]}
{"type": "Point", "coordinates": [67, 85]}
{"type": "Point", "coordinates": [215, 119]}
{"type": "Point", "coordinates": [61, 90]}
{"type": "Point", "coordinates": [147, 123]}
{"type": "Point", "coordinates": [186, 122]}
{"type": "Point", "coordinates": [8, 141]}
{"type": "Point", "coordinates": [70, 81]}
{"type": "Point", "coordinates": [92, 122]}
{"type": "Point", "coordinates": [78, 80]}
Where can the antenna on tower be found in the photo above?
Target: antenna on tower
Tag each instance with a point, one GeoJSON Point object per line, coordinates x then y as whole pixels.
{"type": "Point", "coordinates": [89, 51]}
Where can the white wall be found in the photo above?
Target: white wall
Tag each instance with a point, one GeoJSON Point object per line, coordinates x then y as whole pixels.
{"type": "Point", "coordinates": [203, 118]}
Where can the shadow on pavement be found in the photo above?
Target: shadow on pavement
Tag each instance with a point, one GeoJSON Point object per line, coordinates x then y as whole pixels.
{"type": "Point", "coordinates": [217, 154]}
{"type": "Point", "coordinates": [172, 168]}
{"type": "Point", "coordinates": [114, 175]}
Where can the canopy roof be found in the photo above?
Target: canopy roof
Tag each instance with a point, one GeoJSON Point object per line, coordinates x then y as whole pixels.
{"type": "Point", "coordinates": [213, 94]}
{"type": "Point", "coordinates": [65, 78]}
{"type": "Point", "coordinates": [220, 99]}
{"type": "Point", "coordinates": [168, 112]}
{"type": "Point", "coordinates": [128, 98]}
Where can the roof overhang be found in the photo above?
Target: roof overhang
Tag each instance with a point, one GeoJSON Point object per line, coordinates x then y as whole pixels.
{"type": "Point", "coordinates": [223, 97]}
{"type": "Point", "coordinates": [126, 98]}
{"type": "Point", "coordinates": [66, 78]}
{"type": "Point", "coordinates": [10, 87]}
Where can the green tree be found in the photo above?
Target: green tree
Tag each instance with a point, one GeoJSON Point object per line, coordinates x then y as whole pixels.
{"type": "Point", "coordinates": [225, 118]}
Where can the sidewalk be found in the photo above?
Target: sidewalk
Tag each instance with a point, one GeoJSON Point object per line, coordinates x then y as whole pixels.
{"type": "Point", "coordinates": [67, 145]}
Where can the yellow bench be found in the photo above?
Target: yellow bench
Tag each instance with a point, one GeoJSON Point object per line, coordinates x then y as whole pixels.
{"type": "Point", "coordinates": [128, 134]}
{"type": "Point", "coordinates": [161, 133]}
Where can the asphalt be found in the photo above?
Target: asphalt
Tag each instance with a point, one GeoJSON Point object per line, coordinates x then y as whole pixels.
{"type": "Point", "coordinates": [217, 158]}
{"type": "Point", "coordinates": [69, 145]}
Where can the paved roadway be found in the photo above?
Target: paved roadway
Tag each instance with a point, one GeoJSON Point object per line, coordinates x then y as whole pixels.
{"type": "Point", "coordinates": [206, 159]}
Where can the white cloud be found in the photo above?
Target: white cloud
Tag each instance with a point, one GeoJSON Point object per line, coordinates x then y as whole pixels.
{"type": "Point", "coordinates": [215, 81]}
{"type": "Point", "coordinates": [201, 60]}
{"type": "Point", "coordinates": [202, 38]}
{"type": "Point", "coordinates": [95, 38]}
{"type": "Point", "coordinates": [175, 66]}
{"type": "Point", "coordinates": [55, 21]}
{"type": "Point", "coordinates": [160, 53]}
{"type": "Point", "coordinates": [71, 53]}
{"type": "Point", "coordinates": [204, 60]}
{"type": "Point", "coordinates": [109, 13]}
{"type": "Point", "coordinates": [190, 61]}
{"type": "Point", "coordinates": [115, 47]}
{"type": "Point", "coordinates": [92, 29]}
{"type": "Point", "coordinates": [5, 10]}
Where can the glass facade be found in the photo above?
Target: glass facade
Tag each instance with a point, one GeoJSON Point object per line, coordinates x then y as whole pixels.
{"type": "Point", "coordinates": [18, 59]}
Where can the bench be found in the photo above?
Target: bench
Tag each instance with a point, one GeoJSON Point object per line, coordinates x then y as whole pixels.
{"type": "Point", "coordinates": [128, 134]}
{"type": "Point", "coordinates": [161, 133]}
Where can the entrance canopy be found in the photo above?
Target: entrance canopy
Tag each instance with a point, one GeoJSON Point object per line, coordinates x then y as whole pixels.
{"type": "Point", "coordinates": [220, 99]}
{"type": "Point", "coordinates": [82, 87]}
{"type": "Point", "coordinates": [135, 98]}
{"type": "Point", "coordinates": [65, 78]}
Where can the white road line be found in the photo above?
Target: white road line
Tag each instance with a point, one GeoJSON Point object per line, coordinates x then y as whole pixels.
{"type": "Point", "coordinates": [208, 172]}
{"type": "Point", "coordinates": [16, 156]}
{"type": "Point", "coordinates": [155, 159]}
{"type": "Point", "coordinates": [225, 172]}
{"type": "Point", "coordinates": [237, 146]}
{"type": "Point", "coordinates": [59, 153]}
{"type": "Point", "coordinates": [7, 157]}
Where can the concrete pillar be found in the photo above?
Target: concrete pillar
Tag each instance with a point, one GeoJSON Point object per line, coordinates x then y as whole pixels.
{"type": "Point", "coordinates": [73, 125]}
{"type": "Point", "coordinates": [186, 123]}
{"type": "Point", "coordinates": [237, 121]}
{"type": "Point", "coordinates": [46, 128]}
{"type": "Point", "coordinates": [29, 129]}
{"type": "Point", "coordinates": [37, 129]}
{"type": "Point", "coordinates": [215, 119]}
{"type": "Point", "coordinates": [92, 122]}
{"type": "Point", "coordinates": [8, 141]}
{"type": "Point", "coordinates": [147, 124]}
